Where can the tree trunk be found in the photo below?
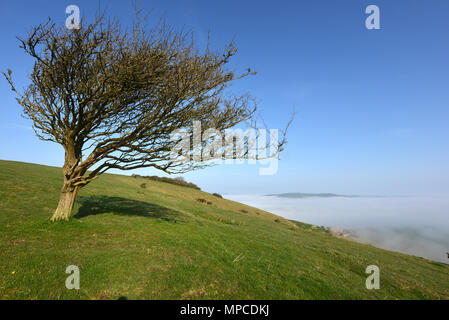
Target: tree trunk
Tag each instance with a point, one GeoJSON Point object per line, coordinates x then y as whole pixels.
{"type": "Point", "coordinates": [66, 202]}
{"type": "Point", "coordinates": [70, 173]}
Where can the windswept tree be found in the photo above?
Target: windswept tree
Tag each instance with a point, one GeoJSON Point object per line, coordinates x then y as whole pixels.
{"type": "Point", "coordinates": [112, 98]}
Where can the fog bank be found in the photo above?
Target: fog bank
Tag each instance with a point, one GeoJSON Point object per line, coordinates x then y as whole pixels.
{"type": "Point", "coordinates": [412, 225]}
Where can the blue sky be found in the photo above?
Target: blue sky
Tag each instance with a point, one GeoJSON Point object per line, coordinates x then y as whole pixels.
{"type": "Point", "coordinates": [372, 106]}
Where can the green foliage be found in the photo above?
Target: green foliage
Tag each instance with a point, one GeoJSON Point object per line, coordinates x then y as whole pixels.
{"type": "Point", "coordinates": [177, 181]}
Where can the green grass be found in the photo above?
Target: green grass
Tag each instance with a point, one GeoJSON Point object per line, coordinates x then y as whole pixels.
{"type": "Point", "coordinates": [160, 243]}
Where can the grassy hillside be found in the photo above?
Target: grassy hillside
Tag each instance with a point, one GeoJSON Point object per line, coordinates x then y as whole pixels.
{"type": "Point", "coordinates": [160, 243]}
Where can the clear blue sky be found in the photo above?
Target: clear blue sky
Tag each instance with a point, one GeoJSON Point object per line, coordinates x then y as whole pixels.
{"type": "Point", "coordinates": [372, 105]}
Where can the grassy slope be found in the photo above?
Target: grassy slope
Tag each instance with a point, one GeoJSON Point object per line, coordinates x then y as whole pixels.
{"type": "Point", "coordinates": [159, 243]}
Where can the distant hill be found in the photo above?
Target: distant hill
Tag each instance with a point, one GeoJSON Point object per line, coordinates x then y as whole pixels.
{"type": "Point", "coordinates": [308, 195]}
{"type": "Point", "coordinates": [139, 238]}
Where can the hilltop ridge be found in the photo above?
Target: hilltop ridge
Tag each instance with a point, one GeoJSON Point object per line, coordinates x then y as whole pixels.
{"type": "Point", "coordinates": [161, 242]}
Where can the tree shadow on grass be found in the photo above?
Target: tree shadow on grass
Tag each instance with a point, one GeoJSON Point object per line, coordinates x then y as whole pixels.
{"type": "Point", "coordinates": [94, 205]}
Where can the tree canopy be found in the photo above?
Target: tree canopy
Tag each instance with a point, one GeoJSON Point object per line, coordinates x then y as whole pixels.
{"type": "Point", "coordinates": [112, 98]}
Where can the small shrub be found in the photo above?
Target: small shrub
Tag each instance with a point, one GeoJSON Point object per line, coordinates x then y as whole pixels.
{"type": "Point", "coordinates": [179, 181]}
{"type": "Point", "coordinates": [143, 185]}
{"type": "Point", "coordinates": [243, 211]}
{"type": "Point", "coordinates": [209, 203]}
{"type": "Point", "coordinates": [277, 220]}
{"type": "Point", "coordinates": [217, 195]}
{"type": "Point", "coordinates": [201, 200]}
